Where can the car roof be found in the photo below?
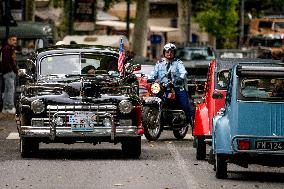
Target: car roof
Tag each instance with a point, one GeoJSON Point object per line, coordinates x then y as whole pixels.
{"type": "Point", "coordinates": [76, 49]}
{"type": "Point", "coordinates": [228, 63]}
{"type": "Point", "coordinates": [195, 47]}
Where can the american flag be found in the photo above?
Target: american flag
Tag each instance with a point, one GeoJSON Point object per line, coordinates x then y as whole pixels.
{"type": "Point", "coordinates": [121, 56]}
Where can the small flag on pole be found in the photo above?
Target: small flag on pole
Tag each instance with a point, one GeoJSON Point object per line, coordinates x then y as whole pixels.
{"type": "Point", "coordinates": [121, 57]}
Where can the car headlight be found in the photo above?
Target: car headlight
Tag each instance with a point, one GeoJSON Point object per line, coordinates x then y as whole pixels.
{"type": "Point", "coordinates": [125, 106]}
{"type": "Point", "coordinates": [155, 88]}
{"type": "Point", "coordinates": [37, 106]}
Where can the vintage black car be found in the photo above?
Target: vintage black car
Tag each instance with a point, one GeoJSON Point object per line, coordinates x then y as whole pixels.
{"type": "Point", "coordinates": [77, 94]}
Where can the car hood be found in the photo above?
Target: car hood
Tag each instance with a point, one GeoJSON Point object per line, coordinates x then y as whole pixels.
{"type": "Point", "coordinates": [261, 119]}
{"type": "Point", "coordinates": [83, 88]}
{"type": "Point", "coordinates": [196, 63]}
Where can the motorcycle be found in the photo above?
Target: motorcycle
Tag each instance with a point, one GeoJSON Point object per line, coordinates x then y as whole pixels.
{"type": "Point", "coordinates": [161, 112]}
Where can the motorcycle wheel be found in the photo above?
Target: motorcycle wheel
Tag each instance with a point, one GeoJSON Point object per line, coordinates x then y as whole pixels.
{"type": "Point", "coordinates": [180, 133]}
{"type": "Point", "coordinates": [152, 123]}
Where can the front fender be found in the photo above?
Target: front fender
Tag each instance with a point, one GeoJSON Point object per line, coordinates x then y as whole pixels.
{"type": "Point", "coordinates": [201, 120]}
{"type": "Point", "coordinates": [151, 100]}
{"type": "Point", "coordinates": [221, 135]}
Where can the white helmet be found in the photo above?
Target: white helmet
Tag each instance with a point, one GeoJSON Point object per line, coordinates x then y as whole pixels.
{"type": "Point", "coordinates": [169, 46]}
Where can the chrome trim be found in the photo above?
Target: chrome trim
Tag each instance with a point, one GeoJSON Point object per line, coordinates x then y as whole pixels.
{"type": "Point", "coordinates": [62, 132]}
{"type": "Point", "coordinates": [26, 106]}
{"type": "Point", "coordinates": [256, 138]}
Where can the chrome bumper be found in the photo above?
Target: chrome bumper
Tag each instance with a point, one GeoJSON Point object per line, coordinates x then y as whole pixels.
{"type": "Point", "coordinates": [61, 132]}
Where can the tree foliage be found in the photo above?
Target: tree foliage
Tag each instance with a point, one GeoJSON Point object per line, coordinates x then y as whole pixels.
{"type": "Point", "coordinates": [220, 18]}
{"type": "Point", "coordinates": [264, 7]}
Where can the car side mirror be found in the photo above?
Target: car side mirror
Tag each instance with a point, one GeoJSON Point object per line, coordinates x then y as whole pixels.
{"type": "Point", "coordinates": [217, 95]}
{"type": "Point", "coordinates": [130, 68]}
{"type": "Point", "coordinates": [30, 64]}
{"type": "Point", "coordinates": [221, 111]}
{"type": "Point", "coordinates": [136, 67]}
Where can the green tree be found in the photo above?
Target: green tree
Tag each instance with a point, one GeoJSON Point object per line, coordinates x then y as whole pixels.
{"type": "Point", "coordinates": [264, 7]}
{"type": "Point", "coordinates": [220, 18]}
{"type": "Point", "coordinates": [30, 6]}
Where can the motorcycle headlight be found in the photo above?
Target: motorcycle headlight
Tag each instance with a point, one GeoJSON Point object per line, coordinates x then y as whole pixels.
{"type": "Point", "coordinates": [125, 106]}
{"type": "Point", "coordinates": [155, 88]}
{"type": "Point", "coordinates": [37, 106]}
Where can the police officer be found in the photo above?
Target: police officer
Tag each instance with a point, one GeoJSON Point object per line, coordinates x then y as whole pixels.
{"type": "Point", "coordinates": [170, 70]}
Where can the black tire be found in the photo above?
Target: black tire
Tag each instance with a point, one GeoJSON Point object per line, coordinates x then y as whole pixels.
{"type": "Point", "coordinates": [221, 166]}
{"type": "Point", "coordinates": [180, 133]}
{"type": "Point", "coordinates": [200, 148]}
{"type": "Point", "coordinates": [152, 123]}
{"type": "Point", "coordinates": [131, 147]}
{"type": "Point", "coordinates": [28, 147]}
{"type": "Point", "coordinates": [24, 119]}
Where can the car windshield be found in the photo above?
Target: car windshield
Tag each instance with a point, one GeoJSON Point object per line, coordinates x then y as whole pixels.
{"type": "Point", "coordinates": [73, 64]}
{"type": "Point", "coordinates": [194, 54]}
{"type": "Point", "coordinates": [266, 42]}
{"type": "Point", "coordinates": [266, 88]}
{"type": "Point", "coordinates": [145, 70]}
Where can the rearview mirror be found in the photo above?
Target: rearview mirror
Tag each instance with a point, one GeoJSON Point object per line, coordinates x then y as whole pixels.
{"type": "Point", "coordinates": [217, 95]}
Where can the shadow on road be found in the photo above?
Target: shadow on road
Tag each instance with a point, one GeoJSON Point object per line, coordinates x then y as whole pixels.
{"type": "Point", "coordinates": [256, 176]}
{"type": "Point", "coordinates": [79, 154]}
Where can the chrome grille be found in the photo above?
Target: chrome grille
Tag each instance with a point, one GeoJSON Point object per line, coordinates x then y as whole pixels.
{"type": "Point", "coordinates": [66, 111]}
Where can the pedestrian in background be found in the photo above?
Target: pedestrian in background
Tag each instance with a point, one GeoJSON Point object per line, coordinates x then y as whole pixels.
{"type": "Point", "coordinates": [9, 72]}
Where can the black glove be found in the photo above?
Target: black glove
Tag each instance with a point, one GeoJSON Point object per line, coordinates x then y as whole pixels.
{"type": "Point", "coordinates": [179, 81]}
{"type": "Point", "coordinates": [150, 80]}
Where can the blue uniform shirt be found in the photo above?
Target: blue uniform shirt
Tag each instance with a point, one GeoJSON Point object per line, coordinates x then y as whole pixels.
{"type": "Point", "coordinates": [177, 70]}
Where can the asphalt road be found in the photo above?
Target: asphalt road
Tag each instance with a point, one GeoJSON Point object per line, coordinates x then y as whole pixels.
{"type": "Point", "coordinates": [165, 164]}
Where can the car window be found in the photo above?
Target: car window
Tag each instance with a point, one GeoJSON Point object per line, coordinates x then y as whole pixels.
{"type": "Point", "coordinates": [266, 88]}
{"type": "Point", "coordinates": [195, 54]}
{"type": "Point", "coordinates": [60, 65]}
{"type": "Point", "coordinates": [66, 64]}
{"type": "Point", "coordinates": [145, 69]}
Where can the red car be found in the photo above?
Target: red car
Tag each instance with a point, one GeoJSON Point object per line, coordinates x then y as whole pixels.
{"type": "Point", "coordinates": [217, 78]}
{"type": "Point", "coordinates": [142, 76]}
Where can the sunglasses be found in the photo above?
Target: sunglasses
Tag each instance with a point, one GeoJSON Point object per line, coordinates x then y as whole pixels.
{"type": "Point", "coordinates": [169, 51]}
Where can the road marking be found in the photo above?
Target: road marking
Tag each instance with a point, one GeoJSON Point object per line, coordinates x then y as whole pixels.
{"type": "Point", "coordinates": [13, 136]}
{"type": "Point", "coordinates": [188, 137]}
{"type": "Point", "coordinates": [189, 179]}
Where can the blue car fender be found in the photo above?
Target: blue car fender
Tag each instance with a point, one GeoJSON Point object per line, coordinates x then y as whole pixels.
{"type": "Point", "coordinates": [221, 135]}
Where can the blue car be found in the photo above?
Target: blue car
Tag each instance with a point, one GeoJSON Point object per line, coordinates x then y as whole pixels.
{"type": "Point", "coordinates": [250, 129]}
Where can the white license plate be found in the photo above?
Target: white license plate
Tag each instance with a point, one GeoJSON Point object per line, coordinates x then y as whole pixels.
{"type": "Point", "coordinates": [269, 145]}
{"type": "Point", "coordinates": [82, 121]}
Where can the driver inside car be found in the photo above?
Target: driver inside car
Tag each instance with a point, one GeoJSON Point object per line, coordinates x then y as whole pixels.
{"type": "Point", "coordinates": [91, 70]}
{"type": "Point", "coordinates": [171, 72]}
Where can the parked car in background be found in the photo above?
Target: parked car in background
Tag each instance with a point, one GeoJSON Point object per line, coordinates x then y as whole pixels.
{"type": "Point", "coordinates": [76, 94]}
{"type": "Point", "coordinates": [249, 130]}
{"type": "Point", "coordinates": [31, 36]}
{"type": "Point", "coordinates": [196, 60]}
{"type": "Point", "coordinates": [237, 53]}
{"type": "Point", "coordinates": [217, 80]}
